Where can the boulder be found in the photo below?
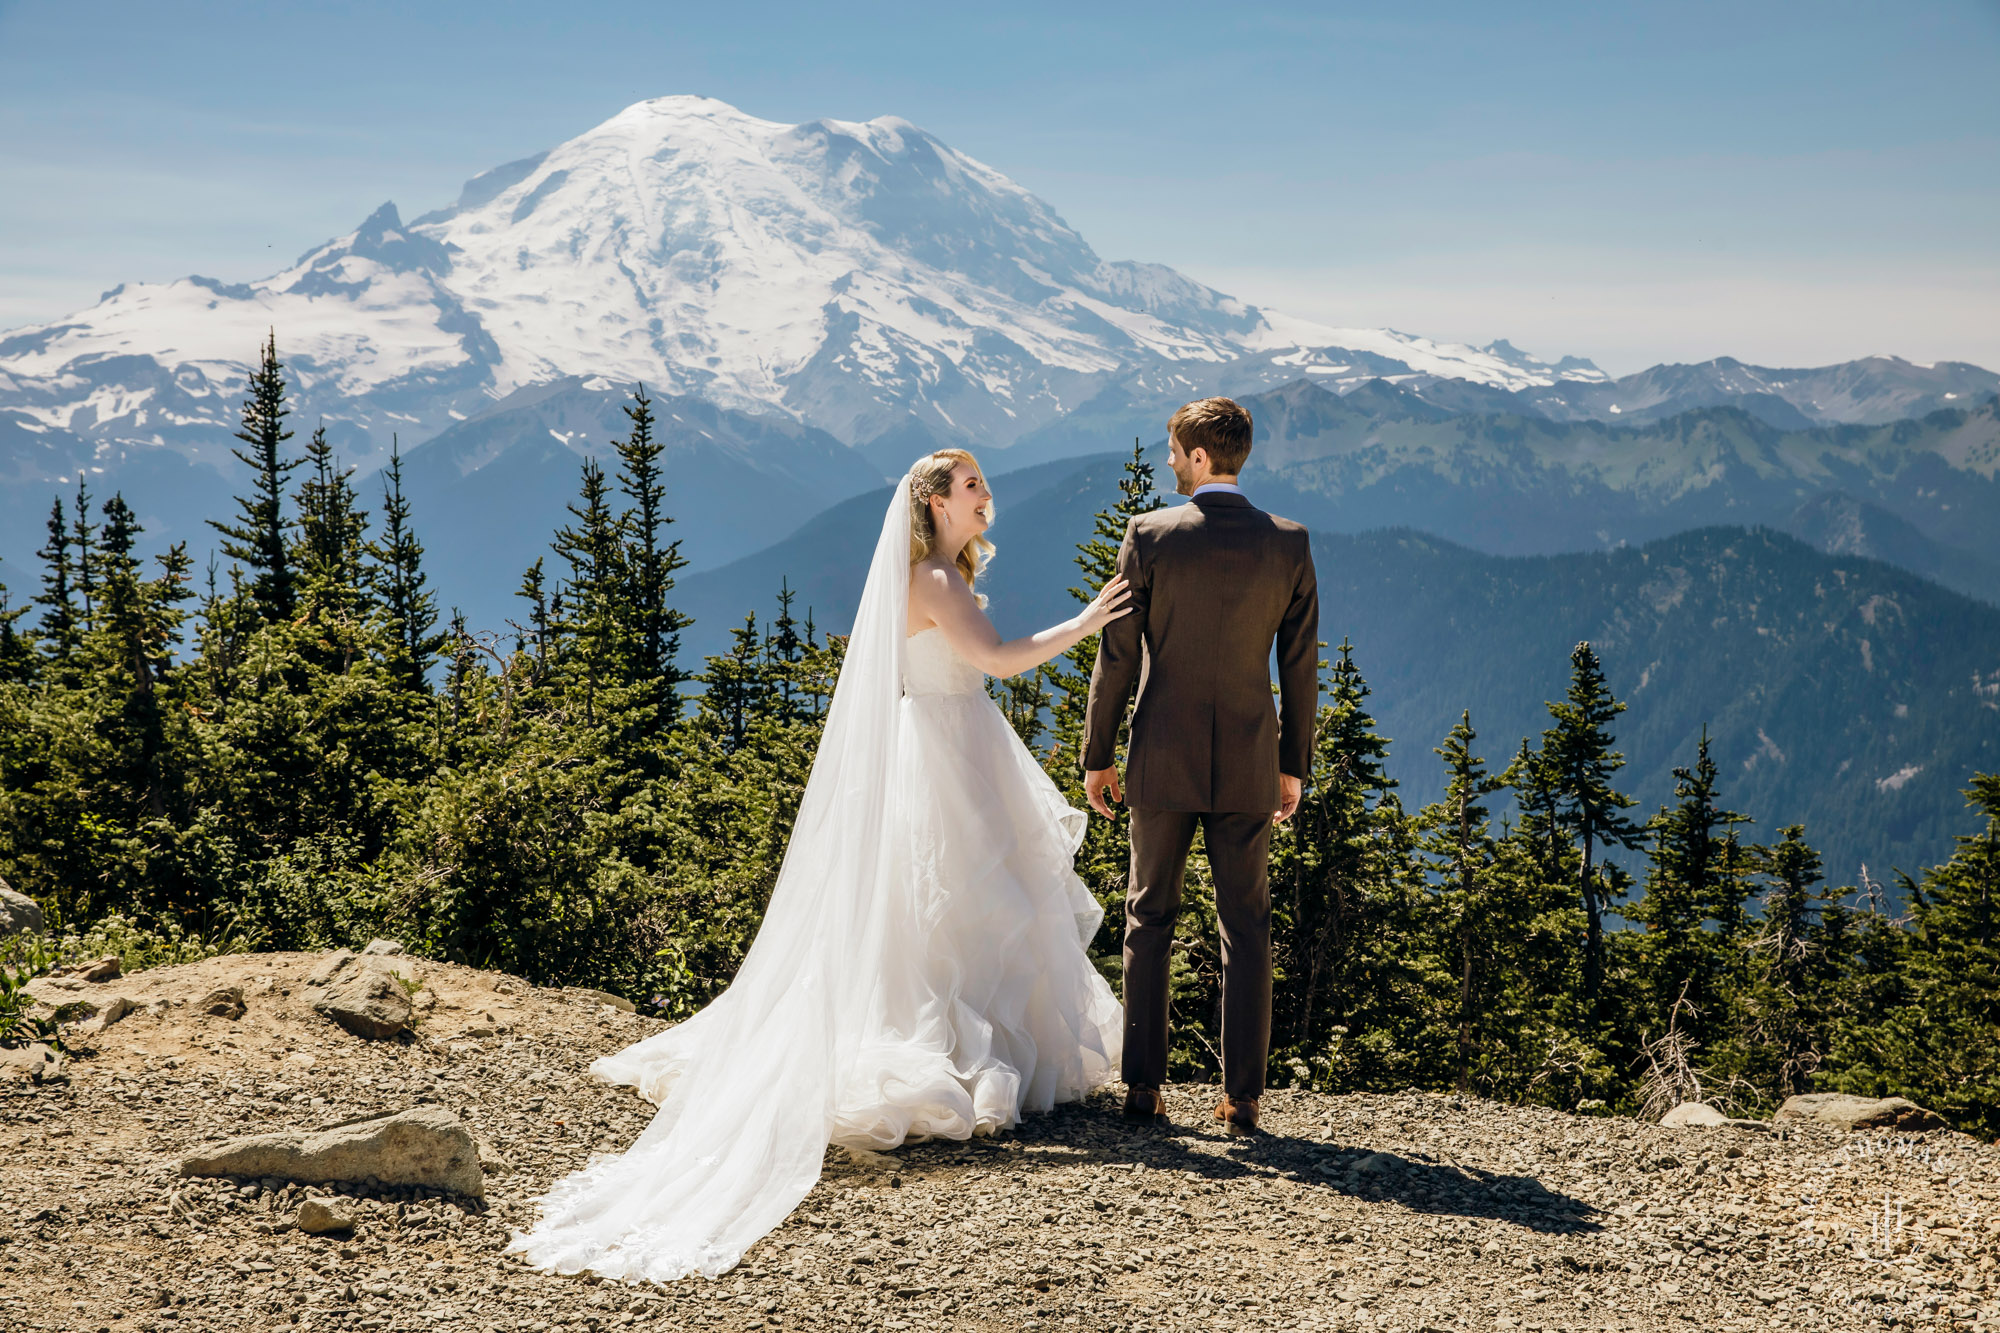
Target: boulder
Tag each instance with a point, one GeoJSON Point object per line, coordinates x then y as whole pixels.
{"type": "Point", "coordinates": [1839, 1108]}
{"type": "Point", "coordinates": [362, 993]}
{"type": "Point", "coordinates": [19, 913]}
{"type": "Point", "coordinates": [223, 1002]}
{"type": "Point", "coordinates": [1693, 1115]}
{"type": "Point", "coordinates": [383, 948]}
{"type": "Point", "coordinates": [319, 1217]}
{"type": "Point", "coordinates": [32, 1063]}
{"type": "Point", "coordinates": [425, 1145]}
{"type": "Point", "coordinates": [1700, 1115]}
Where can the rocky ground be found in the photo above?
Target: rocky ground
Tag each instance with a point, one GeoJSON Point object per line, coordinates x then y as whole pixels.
{"type": "Point", "coordinates": [1412, 1212]}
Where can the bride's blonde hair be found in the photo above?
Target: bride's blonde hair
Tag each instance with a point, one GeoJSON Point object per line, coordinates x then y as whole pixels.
{"type": "Point", "coordinates": [931, 476]}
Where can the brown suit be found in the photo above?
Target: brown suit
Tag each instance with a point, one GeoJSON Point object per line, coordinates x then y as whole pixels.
{"type": "Point", "coordinates": [1215, 583]}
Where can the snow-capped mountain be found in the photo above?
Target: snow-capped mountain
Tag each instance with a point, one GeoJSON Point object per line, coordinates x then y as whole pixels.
{"type": "Point", "coordinates": [861, 278]}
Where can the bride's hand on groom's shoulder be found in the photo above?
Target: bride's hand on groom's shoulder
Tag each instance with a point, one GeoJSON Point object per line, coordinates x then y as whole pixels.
{"type": "Point", "coordinates": [1107, 606]}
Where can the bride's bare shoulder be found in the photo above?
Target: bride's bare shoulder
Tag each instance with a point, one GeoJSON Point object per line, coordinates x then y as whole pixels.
{"type": "Point", "coordinates": [932, 576]}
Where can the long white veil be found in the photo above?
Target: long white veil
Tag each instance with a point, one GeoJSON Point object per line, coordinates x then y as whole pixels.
{"type": "Point", "coordinates": [746, 1088]}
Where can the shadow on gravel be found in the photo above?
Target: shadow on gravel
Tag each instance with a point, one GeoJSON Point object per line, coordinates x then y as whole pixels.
{"type": "Point", "coordinates": [1074, 1136]}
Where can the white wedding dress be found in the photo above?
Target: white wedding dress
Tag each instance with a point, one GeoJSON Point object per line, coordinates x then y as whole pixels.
{"type": "Point", "coordinates": [920, 971]}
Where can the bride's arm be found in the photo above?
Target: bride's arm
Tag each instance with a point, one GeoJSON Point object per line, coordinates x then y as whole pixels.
{"type": "Point", "coordinates": [941, 595]}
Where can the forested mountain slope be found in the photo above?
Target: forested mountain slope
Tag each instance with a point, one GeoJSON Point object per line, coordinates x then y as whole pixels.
{"type": "Point", "coordinates": [1839, 691]}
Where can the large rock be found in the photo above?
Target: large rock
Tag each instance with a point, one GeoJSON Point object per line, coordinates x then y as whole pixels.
{"type": "Point", "coordinates": [362, 993]}
{"type": "Point", "coordinates": [1838, 1108]}
{"type": "Point", "coordinates": [19, 912]}
{"type": "Point", "coordinates": [425, 1145]}
{"type": "Point", "coordinates": [1700, 1115]}
{"type": "Point", "coordinates": [33, 1063]}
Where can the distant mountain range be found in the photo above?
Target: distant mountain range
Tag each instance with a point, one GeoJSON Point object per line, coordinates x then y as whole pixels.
{"type": "Point", "coordinates": [1839, 691]}
{"type": "Point", "coordinates": [816, 304]}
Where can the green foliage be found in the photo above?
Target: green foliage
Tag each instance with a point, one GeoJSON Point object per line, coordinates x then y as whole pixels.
{"type": "Point", "coordinates": [300, 759]}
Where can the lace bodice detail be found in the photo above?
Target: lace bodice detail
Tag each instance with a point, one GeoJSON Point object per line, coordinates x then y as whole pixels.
{"type": "Point", "coordinates": [932, 666]}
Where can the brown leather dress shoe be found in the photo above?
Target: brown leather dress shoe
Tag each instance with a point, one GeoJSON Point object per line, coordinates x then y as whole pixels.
{"type": "Point", "coordinates": [1145, 1104]}
{"type": "Point", "coordinates": [1238, 1116]}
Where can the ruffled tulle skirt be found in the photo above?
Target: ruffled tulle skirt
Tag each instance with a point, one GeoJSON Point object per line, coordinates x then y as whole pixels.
{"type": "Point", "coordinates": [964, 1000]}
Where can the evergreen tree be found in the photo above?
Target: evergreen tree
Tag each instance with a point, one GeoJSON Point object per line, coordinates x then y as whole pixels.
{"type": "Point", "coordinates": [735, 687]}
{"type": "Point", "coordinates": [785, 661]}
{"type": "Point", "coordinates": [61, 627]}
{"type": "Point", "coordinates": [139, 629]}
{"type": "Point", "coordinates": [1581, 763]}
{"type": "Point", "coordinates": [1790, 1001]}
{"type": "Point", "coordinates": [399, 580]}
{"type": "Point", "coordinates": [17, 661]}
{"type": "Point", "coordinates": [1463, 856]}
{"type": "Point", "coordinates": [652, 561]}
{"type": "Point", "coordinates": [1693, 905]}
{"type": "Point", "coordinates": [260, 536]}
{"type": "Point", "coordinates": [595, 621]}
{"type": "Point", "coordinates": [1344, 898]}
{"type": "Point", "coordinates": [331, 534]}
{"type": "Point", "coordinates": [83, 536]}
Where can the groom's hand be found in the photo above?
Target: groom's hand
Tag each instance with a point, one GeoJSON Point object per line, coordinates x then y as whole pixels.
{"type": "Point", "coordinates": [1290, 791]}
{"type": "Point", "coordinates": [1098, 781]}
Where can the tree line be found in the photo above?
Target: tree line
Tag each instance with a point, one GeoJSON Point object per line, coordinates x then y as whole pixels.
{"type": "Point", "coordinates": [299, 751]}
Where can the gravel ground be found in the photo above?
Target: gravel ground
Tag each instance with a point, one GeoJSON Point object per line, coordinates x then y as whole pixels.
{"type": "Point", "coordinates": [1411, 1212]}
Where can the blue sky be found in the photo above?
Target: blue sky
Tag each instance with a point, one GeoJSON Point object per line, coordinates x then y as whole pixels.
{"type": "Point", "coordinates": [1790, 184]}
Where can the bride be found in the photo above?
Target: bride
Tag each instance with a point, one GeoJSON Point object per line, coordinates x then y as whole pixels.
{"type": "Point", "coordinates": [921, 969]}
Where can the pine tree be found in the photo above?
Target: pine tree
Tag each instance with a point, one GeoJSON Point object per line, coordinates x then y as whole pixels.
{"type": "Point", "coordinates": [1581, 764]}
{"type": "Point", "coordinates": [1930, 1037]}
{"type": "Point", "coordinates": [260, 537]}
{"type": "Point", "coordinates": [139, 629]}
{"type": "Point", "coordinates": [331, 534]}
{"type": "Point", "coordinates": [60, 625]}
{"type": "Point", "coordinates": [1341, 900]}
{"type": "Point", "coordinates": [1790, 997]}
{"type": "Point", "coordinates": [785, 660]}
{"type": "Point", "coordinates": [399, 579]}
{"type": "Point", "coordinates": [17, 658]}
{"type": "Point", "coordinates": [595, 621]}
{"type": "Point", "coordinates": [734, 688]}
{"type": "Point", "coordinates": [1692, 907]}
{"type": "Point", "coordinates": [1463, 855]}
{"type": "Point", "coordinates": [83, 537]}
{"type": "Point", "coordinates": [651, 561]}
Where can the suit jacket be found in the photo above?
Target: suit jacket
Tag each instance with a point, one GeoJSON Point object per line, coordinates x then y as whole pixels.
{"type": "Point", "coordinates": [1214, 584]}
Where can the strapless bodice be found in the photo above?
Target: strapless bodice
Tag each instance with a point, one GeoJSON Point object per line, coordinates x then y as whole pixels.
{"type": "Point", "coordinates": [932, 666]}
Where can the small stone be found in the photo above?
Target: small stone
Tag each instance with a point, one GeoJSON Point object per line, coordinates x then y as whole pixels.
{"type": "Point", "coordinates": [382, 948]}
{"type": "Point", "coordinates": [107, 968]}
{"type": "Point", "coordinates": [317, 1217]}
{"type": "Point", "coordinates": [617, 1002]}
{"type": "Point", "coordinates": [223, 1002]}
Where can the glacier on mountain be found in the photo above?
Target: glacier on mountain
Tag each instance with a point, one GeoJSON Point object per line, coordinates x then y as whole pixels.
{"type": "Point", "coordinates": [862, 278]}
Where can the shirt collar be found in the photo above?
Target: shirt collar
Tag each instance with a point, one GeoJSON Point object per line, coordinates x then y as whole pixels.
{"type": "Point", "coordinates": [1225, 487]}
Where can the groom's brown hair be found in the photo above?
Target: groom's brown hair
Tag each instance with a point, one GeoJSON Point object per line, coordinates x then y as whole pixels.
{"type": "Point", "coordinates": [1219, 426]}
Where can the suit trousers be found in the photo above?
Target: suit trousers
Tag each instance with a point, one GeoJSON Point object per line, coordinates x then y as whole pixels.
{"type": "Point", "coordinates": [1239, 851]}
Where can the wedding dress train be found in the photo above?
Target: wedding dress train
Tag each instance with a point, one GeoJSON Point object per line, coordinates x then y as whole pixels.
{"type": "Point", "coordinates": [920, 972]}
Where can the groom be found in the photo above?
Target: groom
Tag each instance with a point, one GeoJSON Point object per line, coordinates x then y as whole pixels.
{"type": "Point", "coordinates": [1214, 584]}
